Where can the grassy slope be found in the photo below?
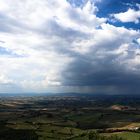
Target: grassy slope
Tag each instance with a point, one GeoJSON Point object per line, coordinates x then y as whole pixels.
{"type": "Point", "coordinates": [125, 135]}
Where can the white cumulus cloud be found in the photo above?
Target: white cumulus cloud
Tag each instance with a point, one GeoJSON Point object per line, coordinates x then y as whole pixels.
{"type": "Point", "coordinates": [131, 15]}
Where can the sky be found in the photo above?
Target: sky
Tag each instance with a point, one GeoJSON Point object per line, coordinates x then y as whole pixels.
{"type": "Point", "coordinates": [83, 46]}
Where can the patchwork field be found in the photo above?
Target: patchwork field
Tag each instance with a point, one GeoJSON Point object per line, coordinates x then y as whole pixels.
{"type": "Point", "coordinates": [69, 118]}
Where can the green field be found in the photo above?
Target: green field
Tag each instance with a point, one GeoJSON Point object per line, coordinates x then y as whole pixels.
{"type": "Point", "coordinates": [128, 135]}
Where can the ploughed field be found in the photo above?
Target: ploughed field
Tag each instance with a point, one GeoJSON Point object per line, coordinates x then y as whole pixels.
{"type": "Point", "coordinates": [70, 116]}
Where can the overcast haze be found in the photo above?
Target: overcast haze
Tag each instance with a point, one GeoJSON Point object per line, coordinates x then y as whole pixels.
{"type": "Point", "coordinates": [70, 46]}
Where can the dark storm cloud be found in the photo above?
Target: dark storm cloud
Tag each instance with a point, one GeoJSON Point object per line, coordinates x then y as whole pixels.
{"type": "Point", "coordinates": [84, 73]}
{"type": "Point", "coordinates": [104, 72]}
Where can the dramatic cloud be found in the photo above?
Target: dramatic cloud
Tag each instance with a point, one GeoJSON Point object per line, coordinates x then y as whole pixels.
{"type": "Point", "coordinates": [58, 46]}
